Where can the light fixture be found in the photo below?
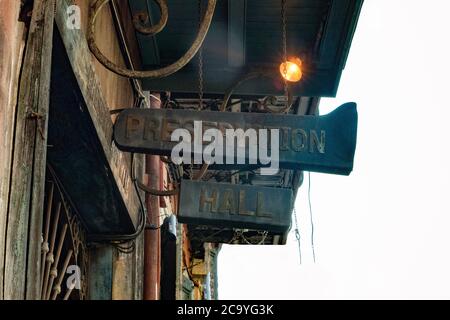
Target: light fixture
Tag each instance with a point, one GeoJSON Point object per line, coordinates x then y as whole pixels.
{"type": "Point", "coordinates": [291, 69]}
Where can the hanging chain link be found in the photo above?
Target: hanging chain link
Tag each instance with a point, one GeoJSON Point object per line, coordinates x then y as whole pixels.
{"type": "Point", "coordinates": [284, 40]}
{"type": "Point", "coordinates": [191, 171]}
{"type": "Point", "coordinates": [297, 236]}
{"type": "Point", "coordinates": [200, 61]}
{"type": "Point", "coordinates": [283, 24]}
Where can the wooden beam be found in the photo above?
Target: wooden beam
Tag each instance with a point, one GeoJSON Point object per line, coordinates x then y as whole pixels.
{"type": "Point", "coordinates": [236, 33]}
{"type": "Point", "coordinates": [28, 167]}
{"type": "Point", "coordinates": [12, 44]}
{"type": "Point", "coordinates": [337, 38]}
{"type": "Point", "coordinates": [82, 64]}
{"type": "Point", "coordinates": [139, 268]}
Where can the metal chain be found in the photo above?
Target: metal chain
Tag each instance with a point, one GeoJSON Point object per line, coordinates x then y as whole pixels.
{"type": "Point", "coordinates": [204, 167]}
{"type": "Point", "coordinates": [283, 23]}
{"type": "Point", "coordinates": [200, 61]}
{"type": "Point", "coordinates": [284, 40]}
{"type": "Point", "coordinates": [237, 234]}
{"type": "Point", "coordinates": [191, 171]}
{"type": "Point", "coordinates": [297, 236]}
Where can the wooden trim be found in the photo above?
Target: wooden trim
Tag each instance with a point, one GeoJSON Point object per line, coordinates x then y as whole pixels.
{"type": "Point", "coordinates": [28, 167]}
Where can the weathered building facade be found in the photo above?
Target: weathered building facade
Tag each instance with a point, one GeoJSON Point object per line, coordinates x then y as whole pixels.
{"type": "Point", "coordinates": [84, 217]}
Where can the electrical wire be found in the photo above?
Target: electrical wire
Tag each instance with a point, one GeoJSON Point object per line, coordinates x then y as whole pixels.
{"type": "Point", "coordinates": [263, 234]}
{"type": "Point", "coordinates": [136, 84]}
{"type": "Point", "coordinates": [311, 217]}
{"type": "Point", "coordinates": [126, 250]}
{"type": "Point", "coordinates": [252, 75]}
{"type": "Point", "coordinates": [155, 192]}
{"type": "Point", "coordinates": [297, 236]}
{"type": "Point", "coordinates": [121, 238]}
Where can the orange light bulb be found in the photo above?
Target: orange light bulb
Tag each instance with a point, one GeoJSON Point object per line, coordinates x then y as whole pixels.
{"type": "Point", "coordinates": [291, 70]}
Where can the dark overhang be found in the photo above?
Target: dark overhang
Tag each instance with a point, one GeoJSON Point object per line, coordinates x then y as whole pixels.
{"type": "Point", "coordinates": [245, 35]}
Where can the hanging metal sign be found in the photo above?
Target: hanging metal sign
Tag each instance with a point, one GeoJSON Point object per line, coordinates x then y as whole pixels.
{"type": "Point", "coordinates": [235, 206]}
{"type": "Point", "coordinates": [312, 143]}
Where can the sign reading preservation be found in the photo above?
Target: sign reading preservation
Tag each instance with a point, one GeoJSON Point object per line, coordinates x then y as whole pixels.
{"type": "Point", "coordinates": [235, 206]}
{"type": "Point", "coordinates": [312, 143]}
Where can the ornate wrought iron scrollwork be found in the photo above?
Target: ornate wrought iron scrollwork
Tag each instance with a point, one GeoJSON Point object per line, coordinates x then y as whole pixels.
{"type": "Point", "coordinates": [64, 259]}
{"type": "Point", "coordinates": [152, 74]}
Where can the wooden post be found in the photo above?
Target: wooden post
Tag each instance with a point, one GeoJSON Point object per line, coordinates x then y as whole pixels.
{"type": "Point", "coordinates": [100, 273]}
{"type": "Point", "coordinates": [29, 157]}
{"type": "Point", "coordinates": [139, 268]}
{"type": "Point", "coordinates": [11, 52]}
{"type": "Point", "coordinates": [128, 268]}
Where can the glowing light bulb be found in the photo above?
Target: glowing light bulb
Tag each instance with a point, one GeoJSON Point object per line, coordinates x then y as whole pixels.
{"type": "Point", "coordinates": [291, 70]}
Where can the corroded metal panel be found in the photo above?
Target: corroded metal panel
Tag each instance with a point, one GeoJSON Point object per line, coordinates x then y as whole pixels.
{"type": "Point", "coordinates": [235, 206]}
{"type": "Point", "coordinates": [311, 143]}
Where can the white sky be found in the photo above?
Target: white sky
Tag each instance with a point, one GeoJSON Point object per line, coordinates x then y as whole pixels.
{"type": "Point", "coordinates": [384, 231]}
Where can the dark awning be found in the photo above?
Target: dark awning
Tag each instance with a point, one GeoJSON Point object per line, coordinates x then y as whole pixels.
{"type": "Point", "coordinates": [246, 35]}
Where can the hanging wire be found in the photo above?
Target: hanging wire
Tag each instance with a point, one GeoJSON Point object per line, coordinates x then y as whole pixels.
{"type": "Point", "coordinates": [297, 236]}
{"type": "Point", "coordinates": [125, 249]}
{"type": "Point", "coordinates": [200, 61]}
{"type": "Point", "coordinates": [263, 235]}
{"type": "Point", "coordinates": [284, 40]}
{"type": "Point", "coordinates": [283, 25]}
{"type": "Point", "coordinates": [136, 84]}
{"type": "Point", "coordinates": [311, 217]}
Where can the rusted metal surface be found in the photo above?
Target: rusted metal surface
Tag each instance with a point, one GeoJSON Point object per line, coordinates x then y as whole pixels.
{"type": "Point", "coordinates": [259, 74]}
{"type": "Point", "coordinates": [159, 73]}
{"type": "Point", "coordinates": [311, 143]}
{"type": "Point", "coordinates": [152, 238]}
{"type": "Point", "coordinates": [64, 252]}
{"type": "Point", "coordinates": [237, 206]}
{"type": "Point", "coordinates": [142, 17]}
{"type": "Point", "coordinates": [200, 234]}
